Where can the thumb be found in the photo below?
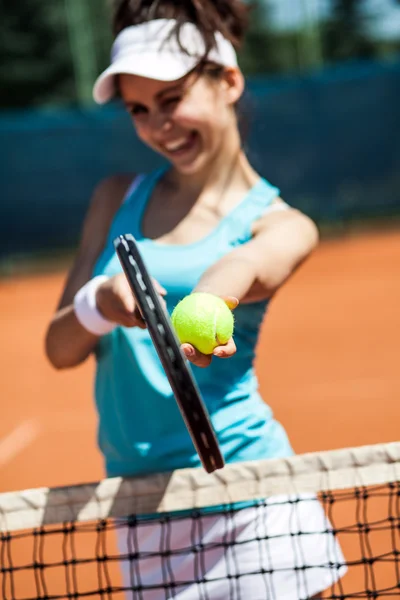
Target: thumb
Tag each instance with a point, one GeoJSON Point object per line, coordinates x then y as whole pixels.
{"type": "Point", "coordinates": [127, 300]}
{"type": "Point", "coordinates": [231, 302]}
{"type": "Point", "coordinates": [159, 288]}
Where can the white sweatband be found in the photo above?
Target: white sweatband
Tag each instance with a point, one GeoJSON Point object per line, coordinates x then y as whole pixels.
{"type": "Point", "coordinates": [86, 309]}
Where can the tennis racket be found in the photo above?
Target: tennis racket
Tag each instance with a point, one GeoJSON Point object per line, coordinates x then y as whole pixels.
{"type": "Point", "coordinates": [175, 364]}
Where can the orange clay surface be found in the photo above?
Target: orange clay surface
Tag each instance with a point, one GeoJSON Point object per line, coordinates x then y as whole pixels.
{"type": "Point", "coordinates": [328, 363]}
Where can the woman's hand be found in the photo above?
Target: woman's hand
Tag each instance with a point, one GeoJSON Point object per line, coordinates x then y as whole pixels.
{"type": "Point", "coordinates": [116, 302]}
{"type": "Point", "coordinates": [226, 351]}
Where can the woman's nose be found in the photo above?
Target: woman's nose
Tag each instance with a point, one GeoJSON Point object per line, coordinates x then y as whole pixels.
{"type": "Point", "coordinates": [160, 123]}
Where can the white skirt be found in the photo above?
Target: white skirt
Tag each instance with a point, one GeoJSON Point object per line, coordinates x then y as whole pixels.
{"type": "Point", "coordinates": [283, 549]}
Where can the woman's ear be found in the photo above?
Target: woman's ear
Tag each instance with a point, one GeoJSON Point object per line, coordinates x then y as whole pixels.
{"type": "Point", "coordinates": [233, 84]}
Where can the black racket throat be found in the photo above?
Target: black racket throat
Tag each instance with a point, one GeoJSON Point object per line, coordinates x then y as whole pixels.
{"type": "Point", "coordinates": [175, 365]}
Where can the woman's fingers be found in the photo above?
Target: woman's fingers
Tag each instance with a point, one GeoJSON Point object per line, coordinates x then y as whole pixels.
{"type": "Point", "coordinates": [204, 360]}
{"type": "Point", "coordinates": [138, 318]}
{"type": "Point", "coordinates": [117, 303]}
{"type": "Point", "coordinates": [225, 351]}
{"type": "Point", "coordinates": [131, 309]}
{"type": "Point", "coordinates": [129, 319]}
{"type": "Point", "coordinates": [195, 357]}
{"type": "Point", "coordinates": [159, 288]}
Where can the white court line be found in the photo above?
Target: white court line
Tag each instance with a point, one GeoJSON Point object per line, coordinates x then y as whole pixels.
{"type": "Point", "coordinates": [18, 440]}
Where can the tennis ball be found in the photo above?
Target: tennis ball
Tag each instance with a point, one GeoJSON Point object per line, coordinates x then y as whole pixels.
{"type": "Point", "coordinates": [204, 321]}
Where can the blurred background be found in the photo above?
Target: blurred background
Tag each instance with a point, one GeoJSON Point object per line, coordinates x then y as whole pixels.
{"type": "Point", "coordinates": [322, 121]}
{"type": "Point", "coordinates": [323, 91]}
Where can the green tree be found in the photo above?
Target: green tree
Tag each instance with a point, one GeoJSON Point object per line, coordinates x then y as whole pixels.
{"type": "Point", "coordinates": [265, 50]}
{"type": "Point", "coordinates": [89, 34]}
{"type": "Point", "coordinates": [344, 34]}
{"type": "Point", "coordinates": [35, 65]}
{"type": "Point", "coordinates": [51, 50]}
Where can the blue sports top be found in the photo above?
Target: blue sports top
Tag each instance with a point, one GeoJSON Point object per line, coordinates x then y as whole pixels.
{"type": "Point", "coordinates": [141, 430]}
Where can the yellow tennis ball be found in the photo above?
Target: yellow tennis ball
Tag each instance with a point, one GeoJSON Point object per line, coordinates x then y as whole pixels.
{"type": "Point", "coordinates": [204, 321]}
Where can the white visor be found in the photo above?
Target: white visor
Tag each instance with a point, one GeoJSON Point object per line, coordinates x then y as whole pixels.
{"type": "Point", "coordinates": [149, 50]}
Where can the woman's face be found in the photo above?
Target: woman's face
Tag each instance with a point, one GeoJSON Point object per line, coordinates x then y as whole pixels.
{"type": "Point", "coordinates": [189, 121]}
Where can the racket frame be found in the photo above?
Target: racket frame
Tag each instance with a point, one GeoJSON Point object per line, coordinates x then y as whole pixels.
{"type": "Point", "coordinates": [175, 364]}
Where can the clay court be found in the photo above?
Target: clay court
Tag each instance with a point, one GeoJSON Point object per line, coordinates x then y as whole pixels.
{"type": "Point", "coordinates": [328, 363]}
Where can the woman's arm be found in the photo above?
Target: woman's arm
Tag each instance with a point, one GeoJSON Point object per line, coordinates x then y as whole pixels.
{"type": "Point", "coordinates": [68, 343]}
{"type": "Point", "coordinates": [255, 271]}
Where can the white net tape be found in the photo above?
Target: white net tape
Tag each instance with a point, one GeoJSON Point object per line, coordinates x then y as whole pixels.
{"type": "Point", "coordinates": [194, 488]}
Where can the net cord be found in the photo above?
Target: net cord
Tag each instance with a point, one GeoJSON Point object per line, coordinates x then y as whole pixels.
{"type": "Point", "coordinates": [189, 489]}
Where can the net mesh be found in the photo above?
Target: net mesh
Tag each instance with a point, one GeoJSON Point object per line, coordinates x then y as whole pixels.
{"type": "Point", "coordinates": [103, 540]}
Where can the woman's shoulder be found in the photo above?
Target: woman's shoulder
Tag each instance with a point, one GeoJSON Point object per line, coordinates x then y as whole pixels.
{"type": "Point", "coordinates": [112, 189]}
{"type": "Point", "coordinates": [109, 195]}
{"type": "Point", "coordinates": [107, 198]}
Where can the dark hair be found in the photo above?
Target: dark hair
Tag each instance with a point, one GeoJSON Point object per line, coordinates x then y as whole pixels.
{"type": "Point", "coordinates": [229, 17]}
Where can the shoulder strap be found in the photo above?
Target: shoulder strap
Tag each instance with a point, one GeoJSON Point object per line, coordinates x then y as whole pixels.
{"type": "Point", "coordinates": [258, 201]}
{"type": "Point", "coordinates": [132, 188]}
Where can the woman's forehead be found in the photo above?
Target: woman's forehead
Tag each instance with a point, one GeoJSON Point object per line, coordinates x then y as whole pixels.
{"type": "Point", "coordinates": [136, 88]}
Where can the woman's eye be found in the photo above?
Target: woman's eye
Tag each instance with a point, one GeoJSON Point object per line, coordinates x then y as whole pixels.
{"type": "Point", "coordinates": [172, 101]}
{"type": "Point", "coordinates": [137, 110]}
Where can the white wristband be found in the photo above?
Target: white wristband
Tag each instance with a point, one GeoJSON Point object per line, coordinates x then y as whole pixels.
{"type": "Point", "coordinates": [86, 309]}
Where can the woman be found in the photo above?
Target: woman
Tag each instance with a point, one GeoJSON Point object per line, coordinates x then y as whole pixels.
{"type": "Point", "coordinates": [207, 222]}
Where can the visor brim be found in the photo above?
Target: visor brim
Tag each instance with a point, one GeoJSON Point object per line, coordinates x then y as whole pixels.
{"type": "Point", "coordinates": [152, 66]}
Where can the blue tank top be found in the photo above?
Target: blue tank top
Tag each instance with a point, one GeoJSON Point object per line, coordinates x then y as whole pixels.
{"type": "Point", "coordinates": [141, 430]}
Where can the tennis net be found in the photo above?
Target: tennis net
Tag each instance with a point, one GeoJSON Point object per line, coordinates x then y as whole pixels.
{"type": "Point", "coordinates": [102, 540]}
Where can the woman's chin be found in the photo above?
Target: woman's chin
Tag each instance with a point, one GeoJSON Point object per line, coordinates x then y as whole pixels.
{"type": "Point", "coordinates": [196, 165]}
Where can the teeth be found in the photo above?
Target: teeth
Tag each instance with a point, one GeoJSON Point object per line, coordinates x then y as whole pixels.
{"type": "Point", "coordinates": [172, 146]}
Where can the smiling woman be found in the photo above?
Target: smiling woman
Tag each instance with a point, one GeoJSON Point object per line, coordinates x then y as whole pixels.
{"type": "Point", "coordinates": [206, 223]}
{"type": "Point", "coordinates": [188, 121]}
